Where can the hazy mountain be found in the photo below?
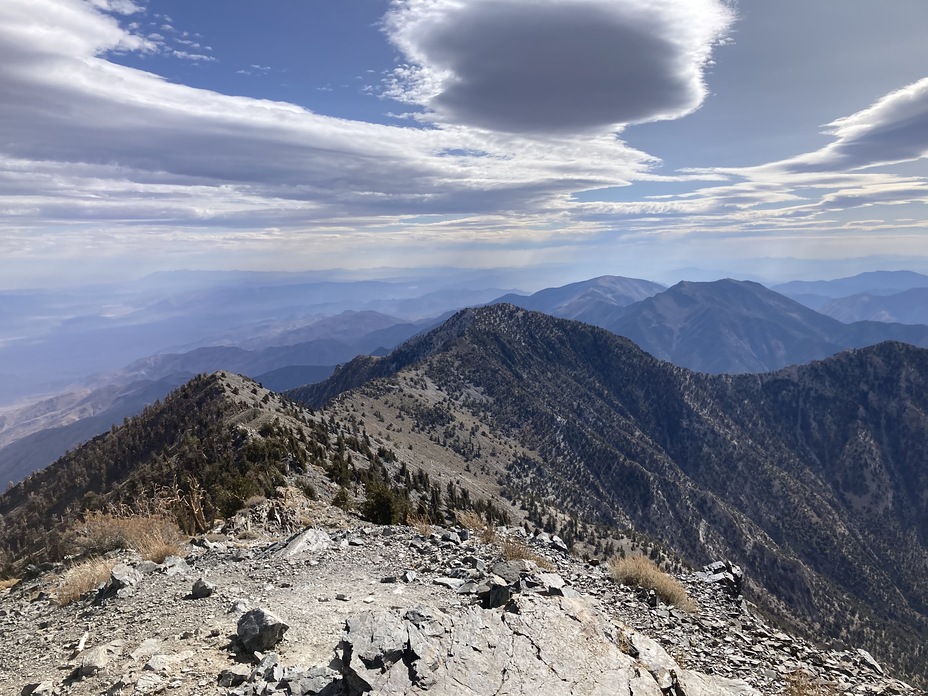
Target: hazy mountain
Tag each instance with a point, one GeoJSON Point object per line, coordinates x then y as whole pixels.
{"type": "Point", "coordinates": [66, 427]}
{"type": "Point", "coordinates": [285, 378]}
{"type": "Point", "coordinates": [740, 326]}
{"type": "Point", "coordinates": [589, 300]}
{"type": "Point", "coordinates": [872, 283]}
{"type": "Point", "coordinates": [51, 341]}
{"type": "Point", "coordinates": [811, 477]}
{"type": "Point", "coordinates": [908, 307]}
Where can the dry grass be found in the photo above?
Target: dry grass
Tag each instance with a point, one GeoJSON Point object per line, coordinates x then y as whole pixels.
{"type": "Point", "coordinates": [474, 522]}
{"type": "Point", "coordinates": [420, 523]}
{"type": "Point", "coordinates": [516, 550]}
{"type": "Point", "coordinates": [799, 683]}
{"type": "Point", "coordinates": [6, 584]}
{"type": "Point", "coordinates": [640, 571]}
{"type": "Point", "coordinates": [154, 537]}
{"type": "Point", "coordinates": [82, 578]}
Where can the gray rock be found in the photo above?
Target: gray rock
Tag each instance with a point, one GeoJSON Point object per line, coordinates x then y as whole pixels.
{"type": "Point", "coordinates": [512, 571]}
{"type": "Point", "coordinates": [308, 541]}
{"type": "Point", "coordinates": [175, 565]}
{"type": "Point", "coordinates": [452, 583]}
{"type": "Point", "coordinates": [94, 660]}
{"type": "Point", "coordinates": [260, 630]}
{"type": "Point", "coordinates": [202, 589]}
{"type": "Point", "coordinates": [234, 675]}
{"type": "Point", "coordinates": [46, 688]}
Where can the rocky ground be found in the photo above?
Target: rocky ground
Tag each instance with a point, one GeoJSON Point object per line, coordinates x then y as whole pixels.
{"type": "Point", "coordinates": [365, 609]}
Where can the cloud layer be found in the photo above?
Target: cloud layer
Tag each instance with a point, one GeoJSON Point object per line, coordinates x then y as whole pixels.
{"type": "Point", "coordinates": [519, 102]}
{"type": "Point", "coordinates": [555, 66]}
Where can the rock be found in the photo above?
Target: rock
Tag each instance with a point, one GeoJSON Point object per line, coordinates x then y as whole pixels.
{"type": "Point", "coordinates": [512, 571]}
{"type": "Point", "coordinates": [234, 675]}
{"type": "Point", "coordinates": [122, 582]}
{"type": "Point", "coordinates": [551, 582]}
{"type": "Point", "coordinates": [260, 630]}
{"type": "Point", "coordinates": [149, 683]}
{"type": "Point", "coordinates": [46, 688]}
{"type": "Point", "coordinates": [202, 589]}
{"type": "Point", "coordinates": [451, 583]}
{"type": "Point", "coordinates": [308, 541]}
{"type": "Point", "coordinates": [175, 565]}
{"type": "Point", "coordinates": [94, 660]}
{"type": "Point", "coordinates": [868, 660]}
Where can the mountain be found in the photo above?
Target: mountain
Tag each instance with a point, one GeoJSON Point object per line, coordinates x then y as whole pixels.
{"type": "Point", "coordinates": [588, 300]}
{"type": "Point", "coordinates": [812, 478]}
{"type": "Point", "coordinates": [871, 283]}
{"type": "Point", "coordinates": [908, 307]}
{"type": "Point", "coordinates": [95, 414]}
{"type": "Point", "coordinates": [739, 326]}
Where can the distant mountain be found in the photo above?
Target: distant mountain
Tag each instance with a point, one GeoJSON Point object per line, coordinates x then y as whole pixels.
{"type": "Point", "coordinates": [324, 351]}
{"type": "Point", "coordinates": [591, 301]}
{"type": "Point", "coordinates": [285, 378]}
{"type": "Point", "coordinates": [94, 414]}
{"type": "Point", "coordinates": [872, 283]}
{"type": "Point", "coordinates": [812, 478]}
{"type": "Point", "coordinates": [731, 326]}
{"type": "Point", "coordinates": [908, 307]}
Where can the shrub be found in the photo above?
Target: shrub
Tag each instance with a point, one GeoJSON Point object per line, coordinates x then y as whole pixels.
{"type": "Point", "coordinates": [154, 537]}
{"type": "Point", "coordinates": [516, 550]}
{"type": "Point", "coordinates": [342, 499]}
{"type": "Point", "coordinates": [799, 683]}
{"type": "Point", "coordinates": [473, 521]}
{"type": "Point", "coordinates": [421, 523]}
{"type": "Point", "coordinates": [640, 571]}
{"type": "Point", "coordinates": [83, 578]}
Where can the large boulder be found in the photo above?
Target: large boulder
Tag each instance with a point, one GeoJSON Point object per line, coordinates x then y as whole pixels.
{"type": "Point", "coordinates": [260, 630]}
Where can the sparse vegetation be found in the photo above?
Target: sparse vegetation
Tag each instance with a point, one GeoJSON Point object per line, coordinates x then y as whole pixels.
{"type": "Point", "coordinates": [82, 578]}
{"type": "Point", "coordinates": [516, 550]}
{"type": "Point", "coordinates": [640, 571]}
{"type": "Point", "coordinates": [154, 537]}
{"type": "Point", "coordinates": [420, 523]}
{"type": "Point", "coordinates": [799, 683]}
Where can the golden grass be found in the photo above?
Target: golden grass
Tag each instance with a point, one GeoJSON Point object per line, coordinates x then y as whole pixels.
{"type": "Point", "coordinates": [6, 584]}
{"type": "Point", "coordinates": [474, 522]}
{"type": "Point", "coordinates": [640, 571]}
{"type": "Point", "coordinates": [420, 523]}
{"type": "Point", "coordinates": [516, 550]}
{"type": "Point", "coordinates": [155, 537]}
{"type": "Point", "coordinates": [82, 578]}
{"type": "Point", "coordinates": [799, 683]}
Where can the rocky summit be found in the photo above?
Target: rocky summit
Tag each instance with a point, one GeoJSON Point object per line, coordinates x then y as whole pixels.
{"type": "Point", "coordinates": [342, 608]}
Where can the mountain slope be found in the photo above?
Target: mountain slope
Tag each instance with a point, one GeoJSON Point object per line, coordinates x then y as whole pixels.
{"type": "Point", "coordinates": [740, 326]}
{"type": "Point", "coordinates": [812, 477]}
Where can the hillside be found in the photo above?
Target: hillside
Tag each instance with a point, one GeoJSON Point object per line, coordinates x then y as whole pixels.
{"type": "Point", "coordinates": [810, 477]}
{"type": "Point", "coordinates": [907, 307]}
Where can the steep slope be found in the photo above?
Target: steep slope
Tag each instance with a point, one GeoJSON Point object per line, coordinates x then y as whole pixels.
{"type": "Point", "coordinates": [739, 326]}
{"type": "Point", "coordinates": [589, 300]}
{"type": "Point", "coordinates": [812, 478]}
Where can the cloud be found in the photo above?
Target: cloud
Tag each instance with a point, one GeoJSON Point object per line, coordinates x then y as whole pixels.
{"type": "Point", "coordinates": [894, 129]}
{"type": "Point", "coordinates": [554, 66]}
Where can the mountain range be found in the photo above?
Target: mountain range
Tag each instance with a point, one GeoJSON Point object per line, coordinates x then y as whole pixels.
{"type": "Point", "coordinates": [811, 478]}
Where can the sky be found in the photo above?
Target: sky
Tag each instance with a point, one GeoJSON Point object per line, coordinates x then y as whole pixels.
{"type": "Point", "coordinates": [659, 139]}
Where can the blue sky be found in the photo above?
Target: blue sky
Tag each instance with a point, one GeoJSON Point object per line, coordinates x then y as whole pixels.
{"type": "Point", "coordinates": [650, 138]}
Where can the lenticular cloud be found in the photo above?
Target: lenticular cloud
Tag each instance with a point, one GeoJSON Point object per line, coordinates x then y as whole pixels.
{"type": "Point", "coordinates": [555, 66]}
